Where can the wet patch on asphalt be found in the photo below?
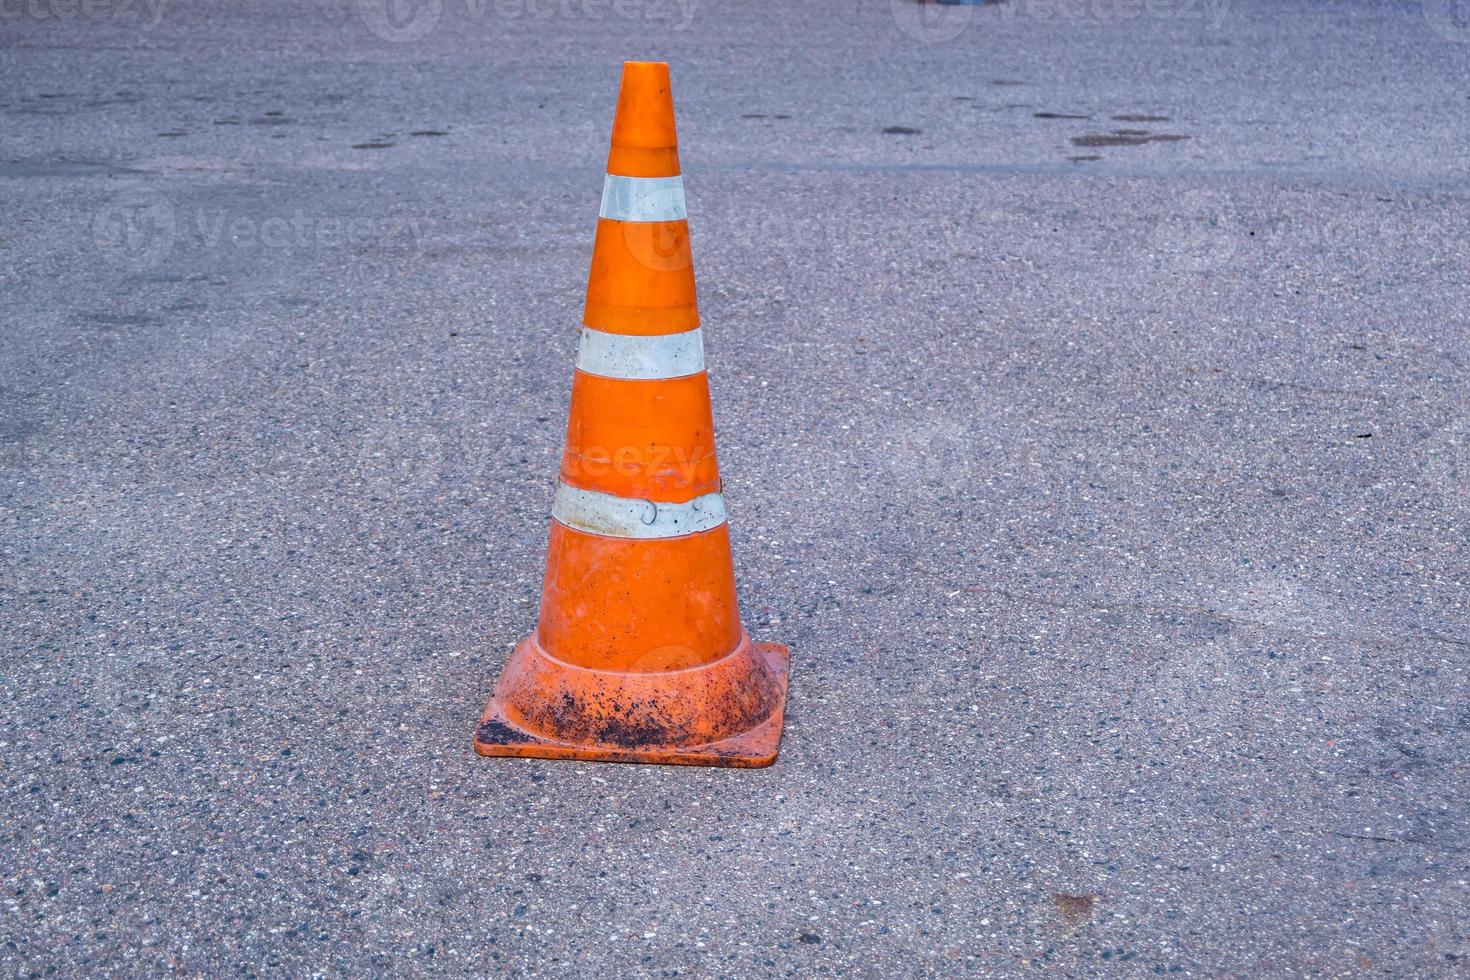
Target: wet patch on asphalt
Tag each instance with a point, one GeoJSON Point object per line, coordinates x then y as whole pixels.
{"type": "Point", "coordinates": [1125, 137]}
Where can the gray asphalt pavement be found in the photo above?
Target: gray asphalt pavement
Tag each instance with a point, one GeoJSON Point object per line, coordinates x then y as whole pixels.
{"type": "Point", "coordinates": [1091, 384]}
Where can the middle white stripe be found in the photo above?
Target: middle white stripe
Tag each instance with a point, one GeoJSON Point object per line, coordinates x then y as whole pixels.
{"type": "Point", "coordinates": [615, 355]}
{"type": "Point", "coordinates": [624, 517]}
{"type": "Point", "coordinates": [643, 198]}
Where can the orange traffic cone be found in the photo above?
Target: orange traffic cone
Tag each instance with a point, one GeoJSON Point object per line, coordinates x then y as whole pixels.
{"type": "Point", "coordinates": [639, 654]}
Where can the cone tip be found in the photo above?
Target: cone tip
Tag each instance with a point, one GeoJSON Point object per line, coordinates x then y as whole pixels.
{"type": "Point", "coordinates": [644, 143]}
{"type": "Point", "coordinates": [646, 80]}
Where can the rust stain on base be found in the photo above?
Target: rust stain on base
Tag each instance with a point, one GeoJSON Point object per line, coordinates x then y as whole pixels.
{"type": "Point", "coordinates": [753, 748]}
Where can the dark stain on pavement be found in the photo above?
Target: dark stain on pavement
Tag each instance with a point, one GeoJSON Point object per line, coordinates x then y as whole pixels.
{"type": "Point", "coordinates": [1125, 137]}
{"type": "Point", "coordinates": [63, 168]}
{"type": "Point", "coordinates": [1108, 139]}
{"type": "Point", "coordinates": [1137, 117]}
{"type": "Point", "coordinates": [1059, 115]}
{"type": "Point", "coordinates": [901, 131]}
{"type": "Point", "coordinates": [174, 279]}
{"type": "Point", "coordinates": [1075, 908]}
{"type": "Point", "coordinates": [373, 145]}
{"type": "Point", "coordinates": [120, 97]}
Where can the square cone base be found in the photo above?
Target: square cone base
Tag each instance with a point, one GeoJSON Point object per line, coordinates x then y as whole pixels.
{"type": "Point", "coordinates": [751, 749]}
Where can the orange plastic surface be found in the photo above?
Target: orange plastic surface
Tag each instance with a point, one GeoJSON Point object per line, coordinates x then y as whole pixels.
{"type": "Point", "coordinates": [651, 440]}
{"type": "Point", "coordinates": [644, 143]}
{"type": "Point", "coordinates": [642, 278]}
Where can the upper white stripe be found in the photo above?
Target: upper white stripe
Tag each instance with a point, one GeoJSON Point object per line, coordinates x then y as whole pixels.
{"type": "Point", "coordinates": [614, 355]}
{"type": "Point", "coordinates": [643, 198]}
{"type": "Point", "coordinates": [623, 517]}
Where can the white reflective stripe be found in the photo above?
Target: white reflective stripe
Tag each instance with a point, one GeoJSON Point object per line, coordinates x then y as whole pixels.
{"type": "Point", "coordinates": [624, 517]}
{"type": "Point", "coordinates": [614, 355]}
{"type": "Point", "coordinates": [643, 198]}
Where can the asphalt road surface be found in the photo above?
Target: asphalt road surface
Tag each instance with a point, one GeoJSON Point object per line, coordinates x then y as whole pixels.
{"type": "Point", "coordinates": [1091, 384]}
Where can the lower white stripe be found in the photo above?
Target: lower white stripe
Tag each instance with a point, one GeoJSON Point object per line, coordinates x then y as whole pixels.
{"type": "Point", "coordinates": [621, 517]}
{"type": "Point", "coordinates": [643, 198]}
{"type": "Point", "coordinates": [614, 355]}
